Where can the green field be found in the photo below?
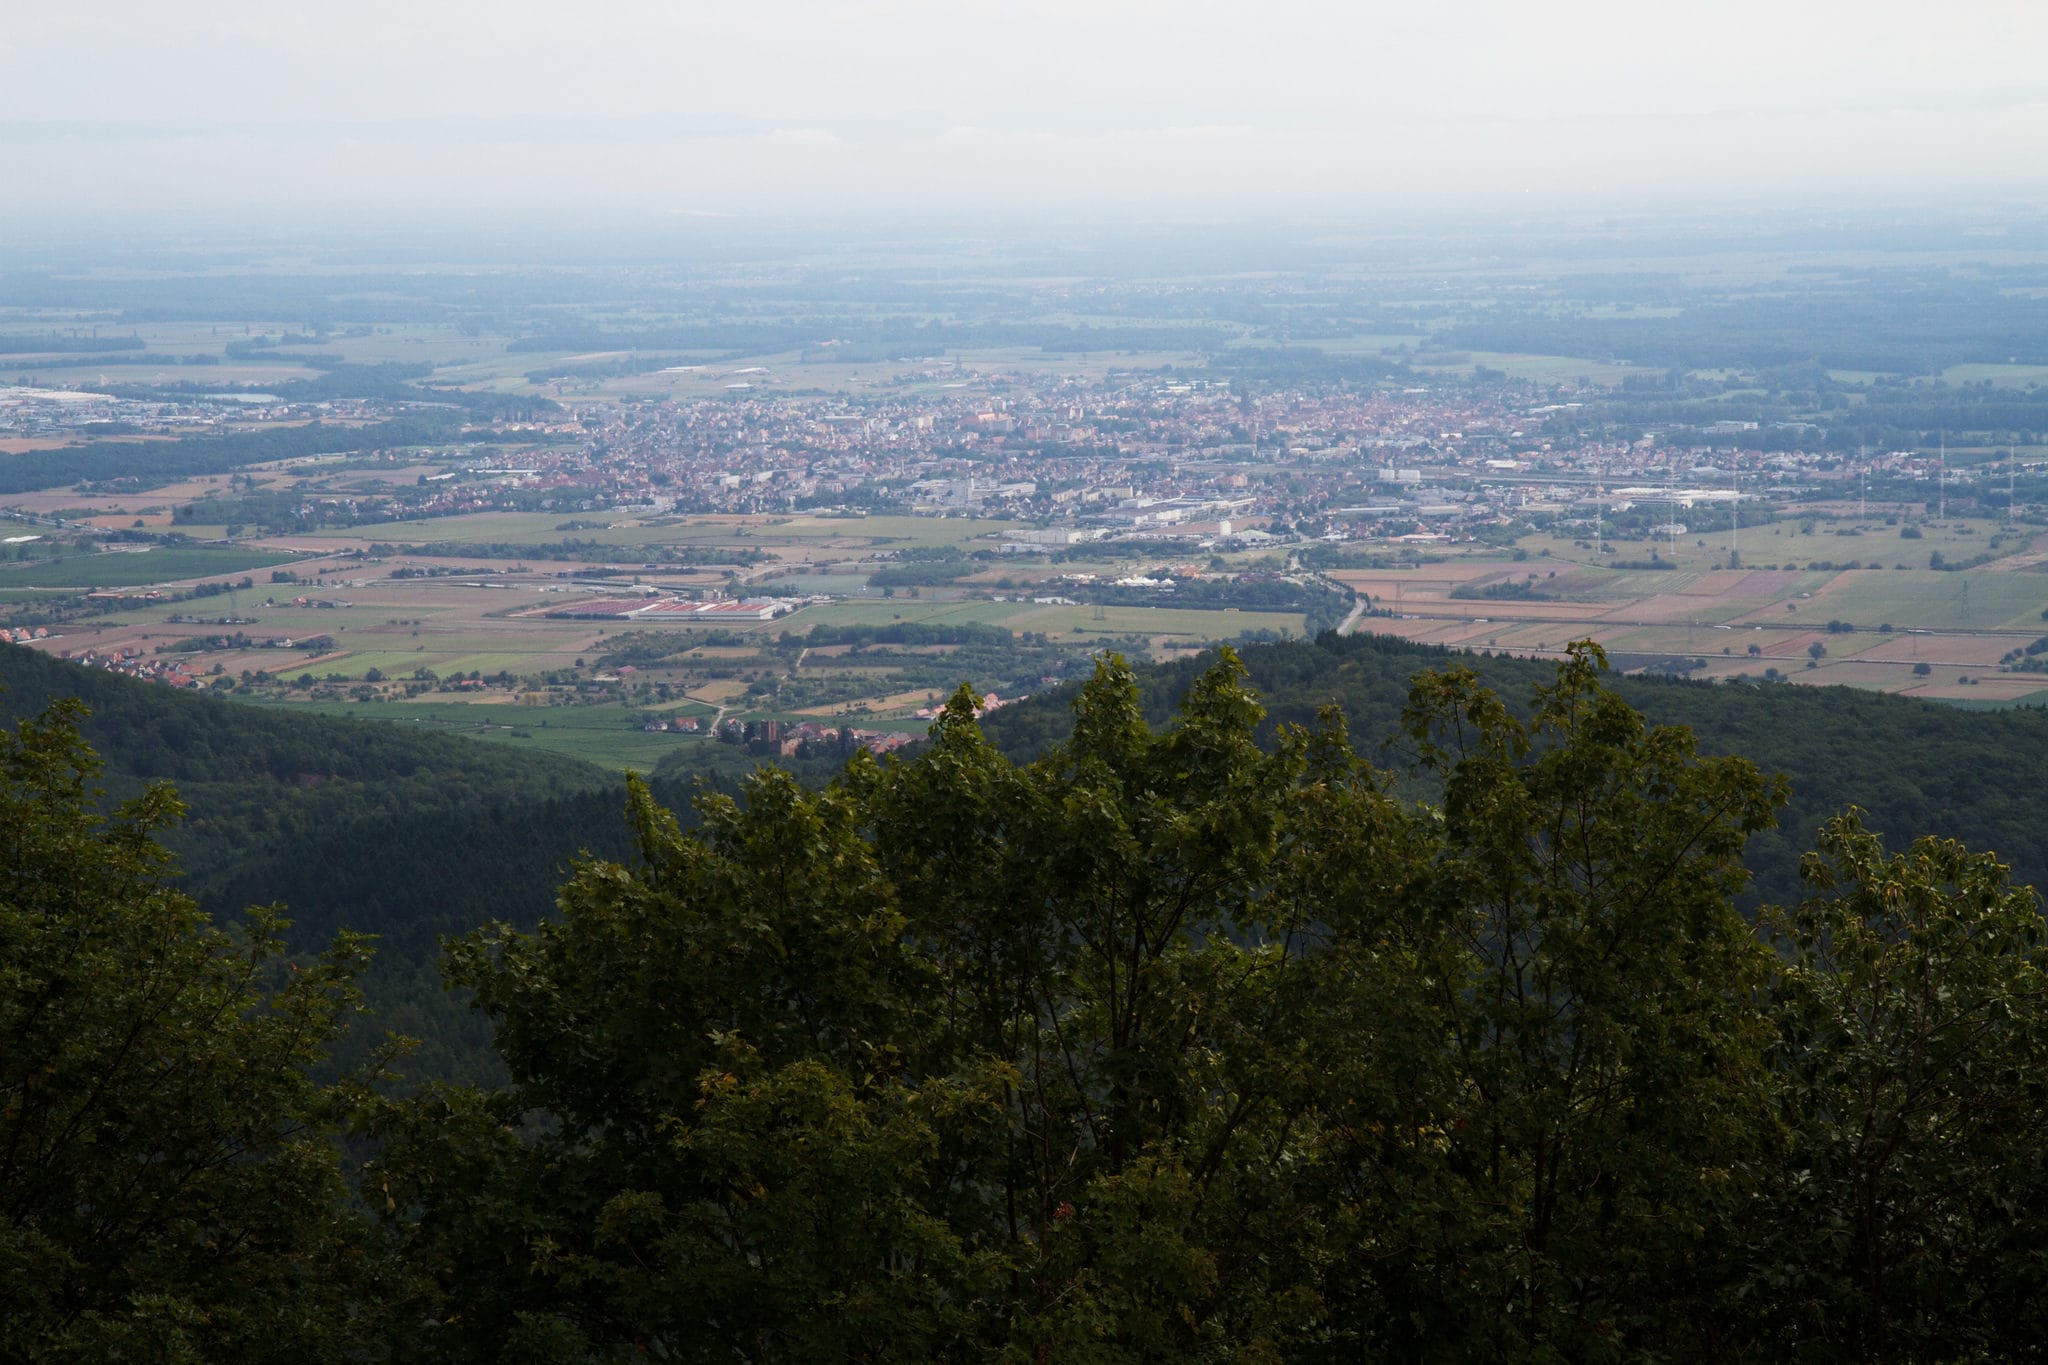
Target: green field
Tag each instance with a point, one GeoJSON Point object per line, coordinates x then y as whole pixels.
{"type": "Point", "coordinates": [604, 735]}
{"type": "Point", "coordinates": [1078, 621]}
{"type": "Point", "coordinates": [169, 564]}
{"type": "Point", "coordinates": [836, 584]}
{"type": "Point", "coordinates": [1971, 600]}
{"type": "Point", "coordinates": [535, 528]}
{"type": "Point", "coordinates": [2014, 376]}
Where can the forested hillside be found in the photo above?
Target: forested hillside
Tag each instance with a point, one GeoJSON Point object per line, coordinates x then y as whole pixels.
{"type": "Point", "coordinates": [353, 825]}
{"type": "Point", "coordinates": [414, 837]}
{"type": "Point", "coordinates": [1168, 1045]}
{"type": "Point", "coordinates": [1913, 767]}
{"type": "Point", "coordinates": [350, 824]}
{"type": "Point", "coordinates": [255, 781]}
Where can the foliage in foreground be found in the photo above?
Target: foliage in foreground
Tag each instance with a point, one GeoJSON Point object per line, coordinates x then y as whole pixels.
{"type": "Point", "coordinates": [1164, 1046]}
{"type": "Point", "coordinates": [169, 1187]}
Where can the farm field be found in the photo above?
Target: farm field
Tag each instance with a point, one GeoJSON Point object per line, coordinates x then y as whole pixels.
{"type": "Point", "coordinates": [1873, 626]}
{"type": "Point", "coordinates": [366, 639]}
{"type": "Point", "coordinates": [392, 634]}
{"type": "Point", "coordinates": [604, 735]}
{"type": "Point", "coordinates": [139, 568]}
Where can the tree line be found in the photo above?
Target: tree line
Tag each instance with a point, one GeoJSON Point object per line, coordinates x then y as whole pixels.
{"type": "Point", "coordinates": [152, 463]}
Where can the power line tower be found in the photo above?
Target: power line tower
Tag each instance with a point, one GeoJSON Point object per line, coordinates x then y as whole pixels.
{"type": "Point", "coordinates": [1734, 519]}
{"type": "Point", "coordinates": [1941, 504]}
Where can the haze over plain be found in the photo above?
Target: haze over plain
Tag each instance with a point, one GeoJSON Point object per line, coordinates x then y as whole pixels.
{"type": "Point", "coordinates": [132, 108]}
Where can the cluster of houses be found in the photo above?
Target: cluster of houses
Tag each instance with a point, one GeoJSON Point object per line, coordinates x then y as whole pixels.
{"type": "Point", "coordinates": [789, 737]}
{"type": "Point", "coordinates": [171, 672]}
{"type": "Point", "coordinates": [1128, 457]}
{"type": "Point", "coordinates": [990, 702]}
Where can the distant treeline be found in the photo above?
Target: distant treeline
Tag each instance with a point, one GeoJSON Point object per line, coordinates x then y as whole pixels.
{"type": "Point", "coordinates": [899, 337]}
{"type": "Point", "coordinates": [1248, 594]}
{"type": "Point", "coordinates": [38, 343]}
{"type": "Point", "coordinates": [1507, 590]}
{"type": "Point", "coordinates": [1326, 556]}
{"type": "Point", "coordinates": [316, 303]}
{"type": "Point", "coordinates": [1324, 605]}
{"type": "Point", "coordinates": [386, 382]}
{"type": "Point", "coordinates": [646, 648]}
{"type": "Point", "coordinates": [160, 462]}
{"type": "Point", "coordinates": [924, 575]}
{"type": "Point", "coordinates": [102, 360]}
{"type": "Point", "coordinates": [1938, 321]}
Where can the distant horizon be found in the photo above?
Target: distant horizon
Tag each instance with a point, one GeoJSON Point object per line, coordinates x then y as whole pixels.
{"type": "Point", "coordinates": [459, 106]}
{"type": "Point", "coordinates": [68, 175]}
{"type": "Point", "coordinates": [1324, 231]}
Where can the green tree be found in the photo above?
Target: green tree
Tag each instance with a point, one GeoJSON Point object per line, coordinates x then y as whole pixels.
{"type": "Point", "coordinates": [1111, 936]}
{"type": "Point", "coordinates": [1907, 1221]}
{"type": "Point", "coordinates": [922, 1064]}
{"type": "Point", "coordinates": [1559, 1181]}
{"type": "Point", "coordinates": [734, 1157]}
{"type": "Point", "coordinates": [170, 1188]}
{"type": "Point", "coordinates": [1166, 1046]}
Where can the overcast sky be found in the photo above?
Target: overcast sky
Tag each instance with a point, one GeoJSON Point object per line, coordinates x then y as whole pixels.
{"type": "Point", "coordinates": [142, 106]}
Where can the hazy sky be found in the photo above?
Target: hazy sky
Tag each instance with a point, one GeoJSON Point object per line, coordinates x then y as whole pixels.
{"type": "Point", "coordinates": [143, 105]}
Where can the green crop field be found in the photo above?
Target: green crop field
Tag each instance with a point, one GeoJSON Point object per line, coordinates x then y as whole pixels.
{"type": "Point", "coordinates": [604, 735]}
{"type": "Point", "coordinates": [529, 528]}
{"type": "Point", "coordinates": [2016, 376]}
{"type": "Point", "coordinates": [1188, 623]}
{"type": "Point", "coordinates": [1972, 599]}
{"type": "Point", "coordinates": [170, 564]}
{"type": "Point", "coordinates": [836, 584]}
{"type": "Point", "coordinates": [873, 610]}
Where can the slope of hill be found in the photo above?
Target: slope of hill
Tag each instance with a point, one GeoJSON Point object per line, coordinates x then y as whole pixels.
{"type": "Point", "coordinates": [413, 836]}
{"type": "Point", "coordinates": [349, 823]}
{"type": "Point", "coordinates": [1915, 767]}
{"type": "Point", "coordinates": [406, 834]}
{"type": "Point", "coordinates": [255, 780]}
{"type": "Point", "coordinates": [352, 824]}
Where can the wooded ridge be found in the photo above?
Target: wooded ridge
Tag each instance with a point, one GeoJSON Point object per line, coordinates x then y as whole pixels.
{"type": "Point", "coordinates": [1198, 1040]}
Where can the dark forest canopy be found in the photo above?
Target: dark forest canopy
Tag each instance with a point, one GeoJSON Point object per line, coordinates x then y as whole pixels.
{"type": "Point", "coordinates": [1168, 1044]}
{"type": "Point", "coordinates": [1912, 766]}
{"type": "Point", "coordinates": [373, 827]}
